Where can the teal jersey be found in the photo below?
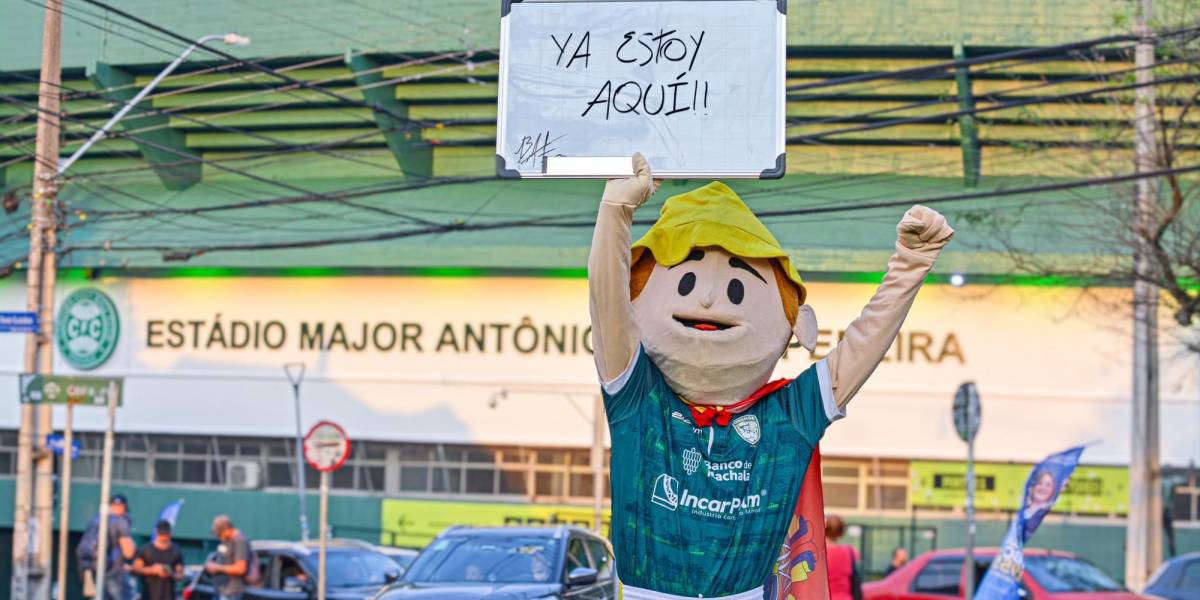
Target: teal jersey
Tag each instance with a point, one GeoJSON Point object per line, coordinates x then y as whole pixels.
{"type": "Point", "coordinates": [703, 511]}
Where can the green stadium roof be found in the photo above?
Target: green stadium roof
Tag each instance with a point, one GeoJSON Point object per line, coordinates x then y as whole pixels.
{"type": "Point", "coordinates": [299, 144]}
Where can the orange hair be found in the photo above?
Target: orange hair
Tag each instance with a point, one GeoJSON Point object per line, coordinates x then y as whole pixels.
{"type": "Point", "coordinates": [639, 274]}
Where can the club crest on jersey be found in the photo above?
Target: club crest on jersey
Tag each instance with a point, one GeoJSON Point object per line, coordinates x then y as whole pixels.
{"type": "Point", "coordinates": [747, 428]}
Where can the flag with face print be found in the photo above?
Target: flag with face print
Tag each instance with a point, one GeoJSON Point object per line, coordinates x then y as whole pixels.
{"type": "Point", "coordinates": [1045, 483]}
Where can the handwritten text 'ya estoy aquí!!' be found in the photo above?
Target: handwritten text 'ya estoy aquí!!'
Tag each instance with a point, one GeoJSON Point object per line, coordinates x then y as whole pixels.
{"type": "Point", "coordinates": [665, 47]}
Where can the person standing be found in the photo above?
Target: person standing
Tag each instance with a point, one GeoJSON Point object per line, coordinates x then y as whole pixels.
{"type": "Point", "coordinates": [899, 559]}
{"type": "Point", "coordinates": [120, 549]}
{"type": "Point", "coordinates": [160, 564]}
{"type": "Point", "coordinates": [845, 579]}
{"type": "Point", "coordinates": [232, 561]}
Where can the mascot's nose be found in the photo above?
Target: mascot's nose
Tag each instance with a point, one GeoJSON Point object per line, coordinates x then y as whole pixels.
{"type": "Point", "coordinates": [708, 292]}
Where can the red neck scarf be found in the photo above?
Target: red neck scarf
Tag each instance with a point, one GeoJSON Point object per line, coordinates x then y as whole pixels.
{"type": "Point", "coordinates": [703, 416]}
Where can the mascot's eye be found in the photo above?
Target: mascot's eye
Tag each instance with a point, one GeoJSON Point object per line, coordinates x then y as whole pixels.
{"type": "Point", "coordinates": [687, 283]}
{"type": "Point", "coordinates": [736, 291]}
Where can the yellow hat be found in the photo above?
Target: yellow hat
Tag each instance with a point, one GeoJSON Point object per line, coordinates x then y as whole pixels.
{"type": "Point", "coordinates": [711, 216]}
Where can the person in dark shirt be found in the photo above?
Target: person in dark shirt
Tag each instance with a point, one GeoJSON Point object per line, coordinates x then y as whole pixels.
{"type": "Point", "coordinates": [160, 564]}
{"type": "Point", "coordinates": [899, 559]}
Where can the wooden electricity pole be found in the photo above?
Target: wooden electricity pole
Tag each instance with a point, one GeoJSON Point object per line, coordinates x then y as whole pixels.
{"type": "Point", "coordinates": [1143, 531]}
{"type": "Point", "coordinates": [33, 505]}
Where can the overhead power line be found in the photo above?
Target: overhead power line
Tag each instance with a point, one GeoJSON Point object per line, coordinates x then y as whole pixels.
{"type": "Point", "coordinates": [199, 159]}
{"type": "Point", "coordinates": [989, 58]}
{"type": "Point", "coordinates": [341, 99]}
{"type": "Point", "coordinates": [180, 253]}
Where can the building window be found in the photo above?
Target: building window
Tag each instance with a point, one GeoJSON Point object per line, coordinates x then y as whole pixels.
{"type": "Point", "coordinates": [441, 470]}
{"type": "Point", "coordinates": [8, 453]}
{"type": "Point", "coordinates": [867, 485]}
{"type": "Point", "coordinates": [1185, 499]}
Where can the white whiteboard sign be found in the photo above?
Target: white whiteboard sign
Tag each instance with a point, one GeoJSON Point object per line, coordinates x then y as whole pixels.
{"type": "Point", "coordinates": [697, 86]}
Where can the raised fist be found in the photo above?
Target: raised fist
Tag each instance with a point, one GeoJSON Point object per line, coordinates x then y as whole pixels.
{"type": "Point", "coordinates": [633, 191]}
{"type": "Point", "coordinates": [923, 230]}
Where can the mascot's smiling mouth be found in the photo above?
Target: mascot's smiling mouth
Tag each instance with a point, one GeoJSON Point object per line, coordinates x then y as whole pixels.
{"type": "Point", "coordinates": [703, 325]}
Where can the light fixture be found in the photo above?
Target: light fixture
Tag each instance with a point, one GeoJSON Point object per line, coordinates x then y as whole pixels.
{"type": "Point", "coordinates": [958, 279]}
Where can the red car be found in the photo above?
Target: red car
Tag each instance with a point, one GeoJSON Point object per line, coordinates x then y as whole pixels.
{"type": "Point", "coordinates": [1049, 575]}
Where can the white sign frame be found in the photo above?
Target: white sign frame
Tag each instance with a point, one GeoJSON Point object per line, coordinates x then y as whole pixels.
{"type": "Point", "coordinates": [592, 167]}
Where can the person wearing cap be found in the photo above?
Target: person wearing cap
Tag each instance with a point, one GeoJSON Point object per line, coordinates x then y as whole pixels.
{"type": "Point", "coordinates": [688, 324]}
{"type": "Point", "coordinates": [120, 548]}
{"type": "Point", "coordinates": [159, 563]}
{"type": "Point", "coordinates": [231, 564]}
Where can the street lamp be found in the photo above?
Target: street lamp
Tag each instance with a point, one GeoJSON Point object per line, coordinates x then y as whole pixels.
{"type": "Point", "coordinates": [295, 375]}
{"type": "Point", "coordinates": [47, 270]}
{"type": "Point", "coordinates": [232, 39]}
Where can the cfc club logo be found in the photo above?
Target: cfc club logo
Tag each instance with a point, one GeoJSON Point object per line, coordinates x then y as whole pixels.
{"type": "Point", "coordinates": [747, 428]}
{"type": "Point", "coordinates": [88, 328]}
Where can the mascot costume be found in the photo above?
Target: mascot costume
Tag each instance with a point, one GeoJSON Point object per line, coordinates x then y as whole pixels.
{"type": "Point", "coordinates": [708, 456]}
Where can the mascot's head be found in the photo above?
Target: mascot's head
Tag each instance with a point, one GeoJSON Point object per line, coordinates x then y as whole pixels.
{"type": "Point", "coordinates": [715, 297]}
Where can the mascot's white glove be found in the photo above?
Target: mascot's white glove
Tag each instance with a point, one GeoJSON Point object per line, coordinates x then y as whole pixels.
{"type": "Point", "coordinates": [924, 231]}
{"type": "Point", "coordinates": [633, 191]}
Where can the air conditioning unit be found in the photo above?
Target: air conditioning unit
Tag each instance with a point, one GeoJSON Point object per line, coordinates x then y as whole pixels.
{"type": "Point", "coordinates": [243, 474]}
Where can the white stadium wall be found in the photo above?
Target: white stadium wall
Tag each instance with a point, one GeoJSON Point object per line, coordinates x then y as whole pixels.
{"type": "Point", "coordinates": [448, 360]}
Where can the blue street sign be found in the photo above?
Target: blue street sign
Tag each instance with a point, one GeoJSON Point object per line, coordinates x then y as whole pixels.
{"type": "Point", "coordinates": [18, 322]}
{"type": "Point", "coordinates": [54, 442]}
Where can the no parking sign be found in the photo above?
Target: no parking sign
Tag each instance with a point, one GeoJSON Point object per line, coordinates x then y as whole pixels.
{"type": "Point", "coordinates": [326, 446]}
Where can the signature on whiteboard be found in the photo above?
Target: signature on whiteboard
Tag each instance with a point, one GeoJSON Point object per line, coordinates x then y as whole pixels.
{"type": "Point", "coordinates": [536, 147]}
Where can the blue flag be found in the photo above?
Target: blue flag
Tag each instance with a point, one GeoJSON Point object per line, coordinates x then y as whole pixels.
{"type": "Point", "coordinates": [170, 512]}
{"type": "Point", "coordinates": [1045, 483]}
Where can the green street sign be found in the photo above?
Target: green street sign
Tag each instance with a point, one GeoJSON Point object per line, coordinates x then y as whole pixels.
{"type": "Point", "coordinates": [88, 328]}
{"type": "Point", "coordinates": [68, 389]}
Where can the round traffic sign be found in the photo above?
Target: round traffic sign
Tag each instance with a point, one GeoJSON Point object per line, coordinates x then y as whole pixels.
{"type": "Point", "coordinates": [326, 446]}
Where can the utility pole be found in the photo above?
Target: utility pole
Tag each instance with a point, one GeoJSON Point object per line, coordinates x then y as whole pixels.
{"type": "Point", "coordinates": [33, 504]}
{"type": "Point", "coordinates": [1143, 530]}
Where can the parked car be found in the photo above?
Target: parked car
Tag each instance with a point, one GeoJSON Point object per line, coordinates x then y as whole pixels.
{"type": "Point", "coordinates": [354, 571]}
{"type": "Point", "coordinates": [1049, 575]}
{"type": "Point", "coordinates": [1177, 579]}
{"type": "Point", "coordinates": [514, 563]}
{"type": "Point", "coordinates": [403, 557]}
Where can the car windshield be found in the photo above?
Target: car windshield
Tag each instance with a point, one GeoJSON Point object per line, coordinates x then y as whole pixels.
{"type": "Point", "coordinates": [486, 559]}
{"type": "Point", "coordinates": [402, 560]}
{"type": "Point", "coordinates": [1064, 574]}
{"type": "Point", "coordinates": [356, 568]}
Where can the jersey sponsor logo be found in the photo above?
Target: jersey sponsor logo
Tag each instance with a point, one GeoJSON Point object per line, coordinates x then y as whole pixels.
{"type": "Point", "coordinates": [666, 492]}
{"type": "Point", "coordinates": [734, 470]}
{"type": "Point", "coordinates": [667, 495]}
{"type": "Point", "coordinates": [691, 460]}
{"type": "Point", "coordinates": [747, 428]}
